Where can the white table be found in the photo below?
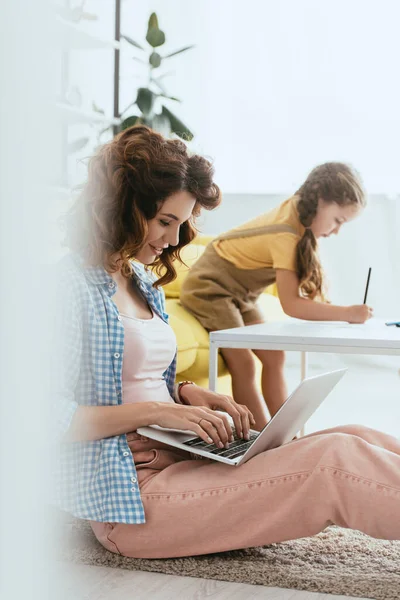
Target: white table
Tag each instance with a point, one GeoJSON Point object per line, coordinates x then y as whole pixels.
{"type": "Point", "coordinates": [373, 337]}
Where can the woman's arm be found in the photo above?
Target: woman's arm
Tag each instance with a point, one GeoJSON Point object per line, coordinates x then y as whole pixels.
{"type": "Point", "coordinates": [302, 308]}
{"type": "Point", "coordinates": [98, 422]}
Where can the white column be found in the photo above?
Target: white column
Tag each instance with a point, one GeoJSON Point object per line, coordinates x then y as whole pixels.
{"type": "Point", "coordinates": [213, 368]}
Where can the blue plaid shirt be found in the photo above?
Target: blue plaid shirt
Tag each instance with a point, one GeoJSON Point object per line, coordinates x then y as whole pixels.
{"type": "Point", "coordinates": [96, 480]}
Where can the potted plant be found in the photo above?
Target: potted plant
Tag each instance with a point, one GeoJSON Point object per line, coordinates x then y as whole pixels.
{"type": "Point", "coordinates": [149, 103]}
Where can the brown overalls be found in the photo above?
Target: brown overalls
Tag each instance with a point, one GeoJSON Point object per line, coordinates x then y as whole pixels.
{"type": "Point", "coordinates": [222, 296]}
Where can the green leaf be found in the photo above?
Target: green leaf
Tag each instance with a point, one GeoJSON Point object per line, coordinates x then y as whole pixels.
{"type": "Point", "coordinates": [179, 51]}
{"type": "Point", "coordinates": [153, 22]}
{"type": "Point", "coordinates": [170, 97]}
{"type": "Point", "coordinates": [145, 100]}
{"type": "Point", "coordinates": [96, 108]}
{"type": "Point", "coordinates": [129, 122]}
{"type": "Point", "coordinates": [177, 126]}
{"type": "Point", "coordinates": [155, 60]}
{"type": "Point", "coordinates": [161, 124]}
{"type": "Point", "coordinates": [155, 37]}
{"type": "Point", "coordinates": [132, 42]}
{"type": "Point", "coordinates": [77, 145]}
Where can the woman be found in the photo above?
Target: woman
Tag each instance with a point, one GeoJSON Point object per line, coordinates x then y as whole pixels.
{"type": "Point", "coordinates": [116, 373]}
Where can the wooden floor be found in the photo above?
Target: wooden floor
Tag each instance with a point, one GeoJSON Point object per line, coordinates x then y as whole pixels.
{"type": "Point", "coordinates": [102, 583]}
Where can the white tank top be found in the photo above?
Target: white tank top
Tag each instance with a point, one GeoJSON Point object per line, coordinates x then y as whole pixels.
{"type": "Point", "coordinates": [149, 348]}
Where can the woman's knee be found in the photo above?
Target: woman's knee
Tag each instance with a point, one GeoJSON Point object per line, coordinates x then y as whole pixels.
{"type": "Point", "coordinates": [355, 429]}
{"type": "Point", "coordinates": [338, 449]}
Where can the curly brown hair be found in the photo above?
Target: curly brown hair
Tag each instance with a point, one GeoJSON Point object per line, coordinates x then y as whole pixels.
{"type": "Point", "coordinates": [128, 180]}
{"type": "Point", "coordinates": [333, 182]}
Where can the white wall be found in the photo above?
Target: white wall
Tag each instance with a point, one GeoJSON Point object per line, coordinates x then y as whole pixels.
{"type": "Point", "coordinates": [275, 87]}
{"type": "Point", "coordinates": [272, 87]}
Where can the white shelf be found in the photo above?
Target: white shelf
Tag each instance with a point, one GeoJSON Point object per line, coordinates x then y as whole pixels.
{"type": "Point", "coordinates": [73, 37]}
{"type": "Point", "coordinates": [73, 114]}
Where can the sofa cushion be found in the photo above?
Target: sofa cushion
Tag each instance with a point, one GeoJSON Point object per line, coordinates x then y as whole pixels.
{"type": "Point", "coordinates": [189, 255]}
{"type": "Point", "coordinates": [271, 307]}
{"type": "Point", "coordinates": [186, 342]}
{"type": "Point", "coordinates": [192, 341]}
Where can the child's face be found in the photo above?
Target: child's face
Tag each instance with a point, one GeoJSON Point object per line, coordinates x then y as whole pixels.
{"type": "Point", "coordinates": [330, 217]}
{"type": "Point", "coordinates": [164, 228]}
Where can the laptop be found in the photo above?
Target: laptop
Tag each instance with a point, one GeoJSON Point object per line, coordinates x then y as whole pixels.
{"type": "Point", "coordinates": [282, 428]}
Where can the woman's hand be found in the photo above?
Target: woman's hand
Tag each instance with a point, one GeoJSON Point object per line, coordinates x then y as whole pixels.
{"type": "Point", "coordinates": [242, 417]}
{"type": "Point", "coordinates": [203, 421]}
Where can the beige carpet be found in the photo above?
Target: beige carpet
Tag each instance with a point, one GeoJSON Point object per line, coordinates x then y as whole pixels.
{"type": "Point", "coordinates": [337, 561]}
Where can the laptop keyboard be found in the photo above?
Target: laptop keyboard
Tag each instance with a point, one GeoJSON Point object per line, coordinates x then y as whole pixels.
{"type": "Point", "coordinates": [236, 448]}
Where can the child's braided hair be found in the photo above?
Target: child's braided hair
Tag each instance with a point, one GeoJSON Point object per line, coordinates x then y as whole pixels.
{"type": "Point", "coordinates": [332, 182]}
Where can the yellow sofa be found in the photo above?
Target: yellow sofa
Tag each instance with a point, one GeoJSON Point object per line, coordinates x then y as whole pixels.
{"type": "Point", "coordinates": [192, 338]}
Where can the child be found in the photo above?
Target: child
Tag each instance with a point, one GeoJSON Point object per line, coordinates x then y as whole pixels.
{"type": "Point", "coordinates": [281, 246]}
{"type": "Point", "coordinates": [116, 372]}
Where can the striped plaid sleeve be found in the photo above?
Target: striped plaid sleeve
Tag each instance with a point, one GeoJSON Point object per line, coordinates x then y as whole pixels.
{"type": "Point", "coordinates": [162, 303]}
{"type": "Point", "coordinates": [169, 376]}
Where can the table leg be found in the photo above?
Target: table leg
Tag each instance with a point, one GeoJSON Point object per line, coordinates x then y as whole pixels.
{"type": "Point", "coordinates": [213, 367]}
{"type": "Point", "coordinates": [304, 365]}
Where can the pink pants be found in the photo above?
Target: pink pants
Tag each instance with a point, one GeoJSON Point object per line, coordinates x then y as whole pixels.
{"type": "Point", "coordinates": [348, 476]}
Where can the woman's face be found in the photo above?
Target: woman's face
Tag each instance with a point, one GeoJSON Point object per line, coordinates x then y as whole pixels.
{"type": "Point", "coordinates": [164, 228]}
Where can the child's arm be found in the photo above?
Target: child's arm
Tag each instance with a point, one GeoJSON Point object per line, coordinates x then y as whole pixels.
{"type": "Point", "coordinates": [302, 308]}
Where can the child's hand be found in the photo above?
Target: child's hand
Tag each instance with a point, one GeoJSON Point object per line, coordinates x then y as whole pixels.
{"type": "Point", "coordinates": [359, 313]}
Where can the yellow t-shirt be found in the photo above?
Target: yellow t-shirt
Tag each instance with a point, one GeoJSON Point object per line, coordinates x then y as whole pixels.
{"type": "Point", "coordinates": [273, 250]}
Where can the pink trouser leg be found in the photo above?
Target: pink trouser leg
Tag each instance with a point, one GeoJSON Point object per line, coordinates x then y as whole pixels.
{"type": "Point", "coordinates": [348, 476]}
{"type": "Point", "coordinates": [372, 436]}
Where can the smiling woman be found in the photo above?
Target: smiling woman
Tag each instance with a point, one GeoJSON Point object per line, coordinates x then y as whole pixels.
{"type": "Point", "coordinates": [164, 229]}
{"type": "Point", "coordinates": [163, 233]}
{"type": "Point", "coordinates": [131, 181]}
